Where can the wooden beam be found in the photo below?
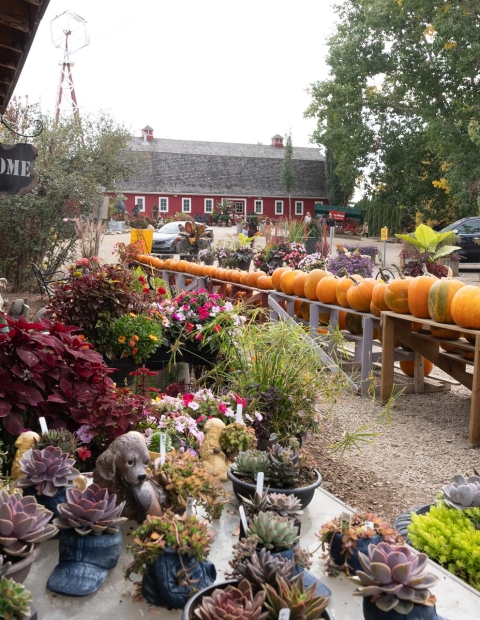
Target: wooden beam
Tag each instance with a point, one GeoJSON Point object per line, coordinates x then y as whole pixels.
{"type": "Point", "coordinates": [16, 15]}
{"type": "Point", "coordinates": [11, 39]}
{"type": "Point", "coordinates": [35, 2]}
{"type": "Point", "coordinates": [474, 429]}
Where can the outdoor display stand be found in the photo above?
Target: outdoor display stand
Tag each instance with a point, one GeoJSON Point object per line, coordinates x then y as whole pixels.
{"type": "Point", "coordinates": [428, 346]}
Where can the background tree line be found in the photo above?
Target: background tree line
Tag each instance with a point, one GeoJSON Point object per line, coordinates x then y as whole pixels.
{"type": "Point", "coordinates": [399, 115]}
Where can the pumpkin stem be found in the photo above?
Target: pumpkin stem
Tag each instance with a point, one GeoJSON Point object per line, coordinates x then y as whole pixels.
{"type": "Point", "coordinates": [356, 282]}
{"type": "Point", "coordinates": [343, 272]}
{"type": "Point", "coordinates": [399, 271]}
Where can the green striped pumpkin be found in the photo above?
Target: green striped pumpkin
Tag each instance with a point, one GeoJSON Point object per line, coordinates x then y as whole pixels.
{"type": "Point", "coordinates": [440, 298]}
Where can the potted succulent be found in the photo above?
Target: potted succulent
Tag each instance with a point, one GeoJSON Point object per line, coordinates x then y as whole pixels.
{"type": "Point", "coordinates": [237, 437]}
{"type": "Point", "coordinates": [219, 600]}
{"type": "Point", "coordinates": [24, 526]}
{"type": "Point", "coordinates": [170, 552]}
{"type": "Point", "coordinates": [183, 476]}
{"type": "Point", "coordinates": [48, 474]}
{"type": "Point", "coordinates": [394, 584]}
{"type": "Point", "coordinates": [15, 599]}
{"type": "Point", "coordinates": [284, 505]}
{"type": "Point", "coordinates": [275, 533]}
{"type": "Point", "coordinates": [61, 438]}
{"type": "Point", "coordinates": [90, 541]}
{"type": "Point", "coordinates": [192, 238]}
{"type": "Point", "coordinates": [285, 470]}
{"type": "Point", "coordinates": [346, 538]}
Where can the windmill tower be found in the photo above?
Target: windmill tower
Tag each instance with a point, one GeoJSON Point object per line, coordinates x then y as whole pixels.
{"type": "Point", "coordinates": [69, 33]}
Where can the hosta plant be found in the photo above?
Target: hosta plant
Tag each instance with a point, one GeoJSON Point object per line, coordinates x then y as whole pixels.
{"type": "Point", "coordinates": [302, 602]}
{"type": "Point", "coordinates": [47, 470]}
{"type": "Point", "coordinates": [461, 493]}
{"type": "Point", "coordinates": [394, 578]}
{"type": "Point", "coordinates": [187, 535]}
{"type": "Point", "coordinates": [273, 531]}
{"type": "Point", "coordinates": [92, 511]}
{"type": "Point", "coordinates": [23, 524]}
{"type": "Point", "coordinates": [15, 600]}
{"type": "Point", "coordinates": [233, 603]}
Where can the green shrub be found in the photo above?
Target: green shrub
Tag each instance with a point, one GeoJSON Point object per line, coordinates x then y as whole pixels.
{"type": "Point", "coordinates": [451, 538]}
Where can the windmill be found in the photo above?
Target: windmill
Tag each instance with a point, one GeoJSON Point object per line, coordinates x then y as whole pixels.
{"type": "Point", "coordinates": [69, 33]}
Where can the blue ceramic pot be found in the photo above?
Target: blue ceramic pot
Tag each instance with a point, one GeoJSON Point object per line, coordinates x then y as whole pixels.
{"type": "Point", "coordinates": [353, 563]}
{"type": "Point", "coordinates": [84, 562]}
{"type": "Point", "coordinates": [50, 503]}
{"type": "Point", "coordinates": [419, 612]}
{"type": "Point", "coordinates": [160, 586]}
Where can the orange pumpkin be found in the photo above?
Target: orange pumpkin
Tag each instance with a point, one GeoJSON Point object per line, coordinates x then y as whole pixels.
{"type": "Point", "coordinates": [265, 283]}
{"type": "Point", "coordinates": [465, 307]}
{"type": "Point", "coordinates": [342, 315]}
{"type": "Point", "coordinates": [286, 280]}
{"type": "Point", "coordinates": [468, 355]}
{"type": "Point", "coordinates": [252, 277]}
{"type": "Point", "coordinates": [359, 295]}
{"type": "Point", "coordinates": [440, 299]}
{"type": "Point", "coordinates": [469, 337]}
{"type": "Point", "coordinates": [311, 282]}
{"type": "Point", "coordinates": [297, 307]}
{"type": "Point", "coordinates": [243, 277]}
{"type": "Point", "coordinates": [447, 347]}
{"type": "Point", "coordinates": [327, 290]}
{"type": "Point", "coordinates": [396, 295]}
{"type": "Point", "coordinates": [305, 310]}
{"type": "Point", "coordinates": [407, 366]}
{"type": "Point", "coordinates": [378, 303]}
{"type": "Point", "coordinates": [188, 281]}
{"type": "Point", "coordinates": [298, 284]}
{"type": "Point", "coordinates": [276, 277]}
{"type": "Point", "coordinates": [447, 334]}
{"type": "Point", "coordinates": [418, 290]}
{"type": "Point", "coordinates": [182, 266]}
{"type": "Point", "coordinates": [324, 318]}
{"type": "Point", "coordinates": [342, 287]}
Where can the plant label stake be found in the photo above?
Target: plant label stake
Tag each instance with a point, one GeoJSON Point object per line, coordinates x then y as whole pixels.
{"type": "Point", "coordinates": [368, 525]}
{"type": "Point", "coordinates": [163, 443]}
{"type": "Point", "coordinates": [346, 520]}
{"type": "Point", "coordinates": [260, 477]}
{"type": "Point", "coordinates": [189, 510]}
{"type": "Point", "coordinates": [243, 519]}
{"type": "Point", "coordinates": [239, 418]}
{"type": "Point", "coordinates": [284, 614]}
{"type": "Point", "coordinates": [43, 425]}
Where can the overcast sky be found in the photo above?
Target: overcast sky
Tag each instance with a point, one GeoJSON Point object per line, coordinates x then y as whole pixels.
{"type": "Point", "coordinates": [214, 70]}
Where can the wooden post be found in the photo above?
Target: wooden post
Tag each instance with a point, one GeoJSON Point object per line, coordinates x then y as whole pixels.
{"type": "Point", "coordinates": [366, 354]}
{"type": "Point", "coordinates": [418, 374]}
{"type": "Point", "coordinates": [388, 352]}
{"type": "Point", "coordinates": [474, 430]}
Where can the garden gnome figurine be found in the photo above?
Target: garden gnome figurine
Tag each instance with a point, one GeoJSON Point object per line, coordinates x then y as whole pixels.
{"type": "Point", "coordinates": [211, 455]}
{"type": "Point", "coordinates": [24, 442]}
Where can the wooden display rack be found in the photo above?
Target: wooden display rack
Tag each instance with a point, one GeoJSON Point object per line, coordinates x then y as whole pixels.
{"type": "Point", "coordinates": [428, 346]}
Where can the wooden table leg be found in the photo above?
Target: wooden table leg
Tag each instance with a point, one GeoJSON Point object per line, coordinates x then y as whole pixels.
{"type": "Point", "coordinates": [418, 374]}
{"type": "Point", "coordinates": [366, 353]}
{"type": "Point", "coordinates": [388, 352]}
{"type": "Point", "coordinates": [474, 431]}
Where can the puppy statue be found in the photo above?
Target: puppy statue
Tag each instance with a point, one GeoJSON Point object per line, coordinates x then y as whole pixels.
{"type": "Point", "coordinates": [211, 454]}
{"type": "Point", "coordinates": [122, 469]}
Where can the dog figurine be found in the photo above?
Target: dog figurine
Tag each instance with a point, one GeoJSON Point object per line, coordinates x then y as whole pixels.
{"type": "Point", "coordinates": [211, 454]}
{"type": "Point", "coordinates": [122, 469]}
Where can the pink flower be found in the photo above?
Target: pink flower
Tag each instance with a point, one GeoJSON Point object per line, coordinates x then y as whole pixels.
{"type": "Point", "coordinates": [199, 337]}
{"type": "Point", "coordinates": [217, 328]}
{"type": "Point", "coordinates": [189, 327]}
{"type": "Point", "coordinates": [240, 401]}
{"type": "Point", "coordinates": [187, 399]}
{"type": "Point", "coordinates": [222, 408]}
{"type": "Point", "coordinates": [84, 453]}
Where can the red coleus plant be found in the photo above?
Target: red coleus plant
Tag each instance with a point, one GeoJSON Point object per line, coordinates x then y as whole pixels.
{"type": "Point", "coordinates": [47, 370]}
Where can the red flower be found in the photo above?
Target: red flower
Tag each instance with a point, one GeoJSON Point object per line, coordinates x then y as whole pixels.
{"type": "Point", "coordinates": [189, 327]}
{"type": "Point", "coordinates": [240, 401]}
{"type": "Point", "coordinates": [199, 337]}
{"type": "Point", "coordinates": [84, 453]}
{"type": "Point", "coordinates": [187, 399]}
{"type": "Point", "coordinates": [146, 289]}
{"type": "Point", "coordinates": [217, 328]}
{"type": "Point", "coordinates": [142, 280]}
{"type": "Point", "coordinates": [201, 418]}
{"type": "Point", "coordinates": [161, 290]}
{"type": "Point", "coordinates": [222, 408]}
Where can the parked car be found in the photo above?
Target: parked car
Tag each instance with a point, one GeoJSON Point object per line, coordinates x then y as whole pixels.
{"type": "Point", "coordinates": [468, 233]}
{"type": "Point", "coordinates": [167, 238]}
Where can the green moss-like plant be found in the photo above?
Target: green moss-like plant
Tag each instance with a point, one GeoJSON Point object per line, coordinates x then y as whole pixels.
{"type": "Point", "coordinates": [450, 537]}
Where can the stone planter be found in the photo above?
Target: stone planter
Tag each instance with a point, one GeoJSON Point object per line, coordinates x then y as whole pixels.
{"type": "Point", "coordinates": [304, 494]}
{"type": "Point", "coordinates": [113, 225]}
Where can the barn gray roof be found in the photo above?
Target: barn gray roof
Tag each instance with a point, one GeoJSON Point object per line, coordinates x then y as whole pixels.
{"type": "Point", "coordinates": [186, 166]}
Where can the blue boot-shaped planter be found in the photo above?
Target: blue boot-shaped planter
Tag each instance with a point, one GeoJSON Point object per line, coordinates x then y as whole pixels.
{"type": "Point", "coordinates": [160, 586]}
{"type": "Point", "coordinates": [50, 503]}
{"type": "Point", "coordinates": [419, 612]}
{"type": "Point", "coordinates": [353, 563]}
{"type": "Point", "coordinates": [84, 562]}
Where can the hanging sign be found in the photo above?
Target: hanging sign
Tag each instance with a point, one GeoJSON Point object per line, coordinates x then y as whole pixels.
{"type": "Point", "coordinates": [338, 215]}
{"type": "Point", "coordinates": [384, 233]}
{"type": "Point", "coordinates": [16, 169]}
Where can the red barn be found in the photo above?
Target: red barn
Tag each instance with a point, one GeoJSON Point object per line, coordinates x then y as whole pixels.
{"type": "Point", "coordinates": [192, 177]}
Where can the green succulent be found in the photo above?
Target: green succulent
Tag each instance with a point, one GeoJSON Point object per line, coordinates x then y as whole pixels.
{"type": "Point", "coordinates": [303, 603]}
{"type": "Point", "coordinates": [263, 567]}
{"type": "Point", "coordinates": [59, 438]}
{"type": "Point", "coordinates": [237, 437]}
{"type": "Point", "coordinates": [274, 531]}
{"type": "Point", "coordinates": [250, 462]}
{"type": "Point", "coordinates": [284, 466]}
{"type": "Point", "coordinates": [154, 445]}
{"type": "Point", "coordinates": [257, 503]}
{"type": "Point", "coordinates": [233, 604]}
{"type": "Point", "coordinates": [15, 600]}
{"type": "Point", "coordinates": [285, 505]}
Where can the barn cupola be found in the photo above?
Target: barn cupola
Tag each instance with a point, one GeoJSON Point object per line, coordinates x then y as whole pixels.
{"type": "Point", "coordinates": [147, 133]}
{"type": "Point", "coordinates": [277, 141]}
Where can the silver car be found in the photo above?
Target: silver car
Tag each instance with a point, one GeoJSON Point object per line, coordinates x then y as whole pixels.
{"type": "Point", "coordinates": [166, 239]}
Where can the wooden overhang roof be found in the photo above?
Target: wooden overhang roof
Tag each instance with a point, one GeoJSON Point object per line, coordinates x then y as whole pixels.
{"type": "Point", "coordinates": [19, 21]}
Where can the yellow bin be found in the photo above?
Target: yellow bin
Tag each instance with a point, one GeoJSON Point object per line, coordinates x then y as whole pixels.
{"type": "Point", "coordinates": [143, 235]}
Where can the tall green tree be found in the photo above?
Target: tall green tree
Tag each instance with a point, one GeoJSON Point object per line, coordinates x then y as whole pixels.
{"type": "Point", "coordinates": [76, 164]}
{"type": "Point", "coordinates": [401, 97]}
{"type": "Point", "coordinates": [287, 174]}
{"type": "Point", "coordinates": [336, 194]}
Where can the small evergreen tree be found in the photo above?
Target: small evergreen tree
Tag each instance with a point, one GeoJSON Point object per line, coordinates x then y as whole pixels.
{"type": "Point", "coordinates": [287, 174]}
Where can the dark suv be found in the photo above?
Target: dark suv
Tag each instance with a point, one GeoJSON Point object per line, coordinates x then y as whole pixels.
{"type": "Point", "coordinates": [468, 233]}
